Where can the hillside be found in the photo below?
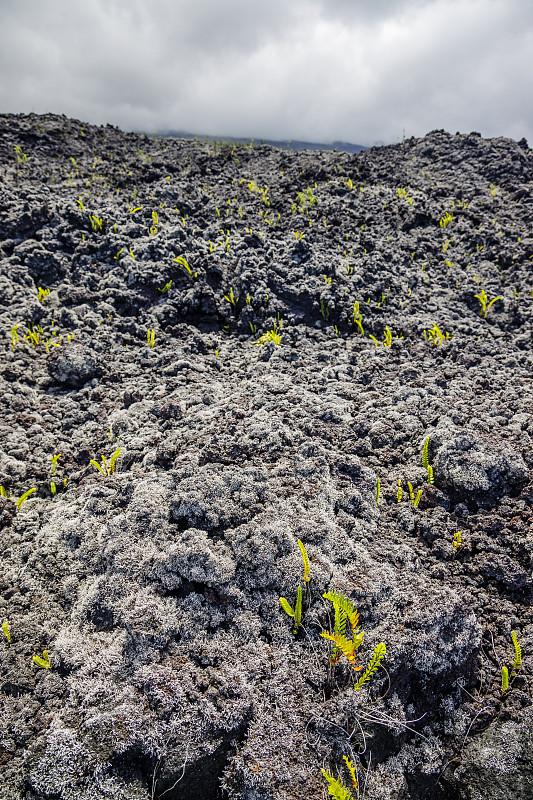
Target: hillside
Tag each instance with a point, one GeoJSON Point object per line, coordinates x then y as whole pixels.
{"type": "Point", "coordinates": [211, 353]}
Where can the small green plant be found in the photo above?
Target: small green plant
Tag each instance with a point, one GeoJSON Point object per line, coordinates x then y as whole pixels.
{"type": "Point", "coordinates": [165, 288]}
{"type": "Point", "coordinates": [14, 336]}
{"type": "Point", "coordinates": [378, 491]}
{"type": "Point", "coordinates": [399, 493]}
{"type": "Point", "coordinates": [377, 656]}
{"type": "Point", "coordinates": [457, 542]}
{"type": "Point", "coordinates": [299, 235]}
{"type": "Point", "coordinates": [5, 629]}
{"type": "Point", "coordinates": [96, 223]}
{"type": "Point", "coordinates": [22, 499]}
{"type": "Point", "coordinates": [445, 220]}
{"type": "Point", "coordinates": [425, 462]}
{"type": "Point", "coordinates": [435, 336]}
{"type": "Point", "coordinates": [414, 499]}
{"type": "Point", "coordinates": [43, 662]}
{"type": "Point", "coordinates": [150, 335]}
{"type": "Point", "coordinates": [296, 612]}
{"type": "Point", "coordinates": [336, 787]}
{"type": "Point", "coordinates": [105, 468]}
{"type": "Point", "coordinates": [344, 613]}
{"type": "Point", "coordinates": [505, 679]}
{"type": "Point", "coordinates": [54, 459]}
{"type": "Point", "coordinates": [358, 318]}
{"type": "Point", "coordinates": [231, 299]}
{"type": "Point", "coordinates": [482, 297]}
{"type": "Point", "coordinates": [42, 293]}
{"type": "Point", "coordinates": [270, 336]}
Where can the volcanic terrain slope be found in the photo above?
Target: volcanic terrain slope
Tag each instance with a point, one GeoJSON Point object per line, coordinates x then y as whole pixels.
{"type": "Point", "coordinates": [228, 372]}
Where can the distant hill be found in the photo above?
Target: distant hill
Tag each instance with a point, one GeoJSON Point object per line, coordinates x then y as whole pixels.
{"type": "Point", "coordinates": [290, 144]}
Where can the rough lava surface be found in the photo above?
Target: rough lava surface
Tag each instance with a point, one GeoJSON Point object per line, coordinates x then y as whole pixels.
{"type": "Point", "coordinates": [327, 316]}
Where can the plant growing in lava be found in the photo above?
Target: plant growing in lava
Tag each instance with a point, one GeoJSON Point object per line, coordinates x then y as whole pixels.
{"type": "Point", "coordinates": [296, 612]}
{"type": "Point", "coordinates": [344, 613]}
{"type": "Point", "coordinates": [482, 297]}
{"type": "Point", "coordinates": [107, 469]}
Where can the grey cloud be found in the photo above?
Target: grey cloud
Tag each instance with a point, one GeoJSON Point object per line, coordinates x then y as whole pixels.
{"type": "Point", "coordinates": [309, 69]}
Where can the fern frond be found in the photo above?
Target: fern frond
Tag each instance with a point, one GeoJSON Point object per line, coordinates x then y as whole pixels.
{"type": "Point", "coordinates": [298, 611]}
{"type": "Point", "coordinates": [286, 607]}
{"type": "Point", "coordinates": [375, 661]}
{"type": "Point", "coordinates": [351, 770]}
{"type": "Point", "coordinates": [307, 567]}
{"type": "Point", "coordinates": [431, 478]}
{"type": "Point", "coordinates": [425, 461]}
{"type": "Point", "coordinates": [518, 653]}
{"type": "Point", "coordinates": [345, 646]}
{"type": "Point", "coordinates": [505, 679]}
{"type": "Point", "coordinates": [336, 788]}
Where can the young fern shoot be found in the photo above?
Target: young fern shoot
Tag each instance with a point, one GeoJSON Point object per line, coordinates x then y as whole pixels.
{"type": "Point", "coordinates": [296, 612]}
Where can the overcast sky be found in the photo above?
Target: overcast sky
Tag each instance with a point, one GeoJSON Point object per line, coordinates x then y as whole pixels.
{"type": "Point", "coordinates": [362, 71]}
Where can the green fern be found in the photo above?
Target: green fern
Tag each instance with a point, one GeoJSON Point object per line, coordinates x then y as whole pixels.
{"type": "Point", "coordinates": [505, 679]}
{"type": "Point", "coordinates": [344, 612]}
{"type": "Point", "coordinates": [336, 788]}
{"type": "Point", "coordinates": [296, 612]}
{"type": "Point", "coordinates": [518, 654]}
{"type": "Point", "coordinates": [425, 462]}
{"type": "Point", "coordinates": [375, 661]}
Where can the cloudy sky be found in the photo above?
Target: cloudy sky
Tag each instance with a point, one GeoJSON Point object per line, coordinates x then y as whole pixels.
{"type": "Point", "coordinates": [362, 71]}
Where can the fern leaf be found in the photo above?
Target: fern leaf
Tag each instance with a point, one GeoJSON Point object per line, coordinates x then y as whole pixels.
{"type": "Point", "coordinates": [336, 788]}
{"type": "Point", "coordinates": [425, 461]}
{"type": "Point", "coordinates": [307, 567]}
{"type": "Point", "coordinates": [43, 662]}
{"type": "Point", "coordinates": [431, 478]}
{"type": "Point", "coordinates": [286, 607]}
{"type": "Point", "coordinates": [505, 679]}
{"type": "Point", "coordinates": [298, 611]}
{"type": "Point", "coordinates": [375, 661]}
{"type": "Point", "coordinates": [345, 646]}
{"type": "Point", "coordinates": [351, 770]}
{"type": "Point", "coordinates": [518, 653]}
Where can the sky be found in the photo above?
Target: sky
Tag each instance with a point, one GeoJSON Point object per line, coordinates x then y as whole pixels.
{"type": "Point", "coordinates": [361, 71]}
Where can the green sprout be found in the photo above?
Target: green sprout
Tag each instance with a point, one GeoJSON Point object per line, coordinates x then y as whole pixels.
{"type": "Point", "coordinates": [445, 220]}
{"type": "Point", "coordinates": [270, 336]}
{"type": "Point", "coordinates": [22, 499]}
{"type": "Point", "coordinates": [435, 336]}
{"type": "Point", "coordinates": [106, 469]}
{"type": "Point", "coordinates": [5, 628]}
{"type": "Point", "coordinates": [43, 662]}
{"type": "Point", "coordinates": [414, 500]}
{"type": "Point", "coordinates": [457, 541]}
{"type": "Point", "coordinates": [483, 300]}
{"type": "Point", "coordinates": [425, 462]}
{"type": "Point", "coordinates": [505, 679]}
{"type": "Point", "coordinates": [165, 288]}
{"type": "Point", "coordinates": [54, 460]}
{"type": "Point", "coordinates": [399, 493]}
{"type": "Point", "coordinates": [324, 310]}
{"type": "Point", "coordinates": [184, 263]}
{"type": "Point", "coordinates": [231, 299]}
{"type": "Point", "coordinates": [150, 335]}
{"type": "Point", "coordinates": [378, 491]}
{"type": "Point", "coordinates": [14, 336]}
{"type": "Point", "coordinates": [358, 318]}
{"type": "Point", "coordinates": [296, 612]}
{"type": "Point", "coordinates": [96, 223]}
{"type": "Point", "coordinates": [299, 235]}
{"type": "Point", "coordinates": [336, 787]}
{"type": "Point", "coordinates": [42, 293]}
